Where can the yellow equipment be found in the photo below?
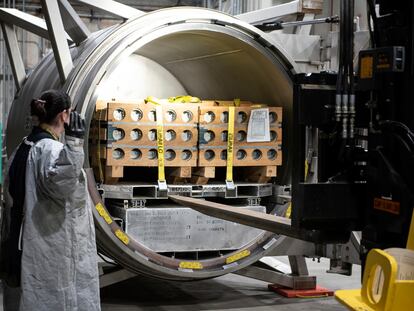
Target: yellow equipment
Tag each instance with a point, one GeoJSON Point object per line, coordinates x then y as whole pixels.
{"type": "Point", "coordinates": [383, 288]}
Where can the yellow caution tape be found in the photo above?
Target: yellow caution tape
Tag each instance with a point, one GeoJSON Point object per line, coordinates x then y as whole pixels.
{"type": "Point", "coordinates": [237, 256]}
{"type": "Point", "coordinates": [194, 265]}
{"type": "Point", "coordinates": [230, 145]}
{"type": "Point", "coordinates": [104, 214]}
{"type": "Point", "coordinates": [184, 99]}
{"type": "Point", "coordinates": [122, 236]}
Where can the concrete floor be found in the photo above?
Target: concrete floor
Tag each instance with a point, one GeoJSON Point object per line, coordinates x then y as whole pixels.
{"type": "Point", "coordinates": [229, 292]}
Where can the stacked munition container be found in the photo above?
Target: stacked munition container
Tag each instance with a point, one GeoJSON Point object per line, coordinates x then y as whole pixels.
{"type": "Point", "coordinates": [194, 136]}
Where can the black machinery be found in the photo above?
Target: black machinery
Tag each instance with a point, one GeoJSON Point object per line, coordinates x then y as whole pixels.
{"type": "Point", "coordinates": [353, 149]}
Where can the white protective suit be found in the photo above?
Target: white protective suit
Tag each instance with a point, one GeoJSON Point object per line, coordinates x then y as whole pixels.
{"type": "Point", "coordinates": [59, 267]}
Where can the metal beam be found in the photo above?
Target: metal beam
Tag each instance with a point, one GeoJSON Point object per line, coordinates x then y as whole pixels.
{"type": "Point", "coordinates": [246, 217]}
{"type": "Point", "coordinates": [26, 21]}
{"type": "Point", "coordinates": [268, 222]}
{"type": "Point", "coordinates": [271, 13]}
{"type": "Point", "coordinates": [74, 26]}
{"type": "Point", "coordinates": [290, 281]}
{"type": "Point", "coordinates": [298, 265]}
{"type": "Point", "coordinates": [306, 30]}
{"type": "Point", "coordinates": [114, 277]}
{"type": "Point", "coordinates": [15, 58]}
{"type": "Point", "coordinates": [113, 7]}
{"type": "Point", "coordinates": [57, 38]}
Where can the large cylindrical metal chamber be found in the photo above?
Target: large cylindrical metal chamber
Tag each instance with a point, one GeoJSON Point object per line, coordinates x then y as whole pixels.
{"type": "Point", "coordinates": [167, 53]}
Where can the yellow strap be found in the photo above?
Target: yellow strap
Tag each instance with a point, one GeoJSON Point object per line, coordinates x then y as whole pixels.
{"type": "Point", "coordinates": [160, 143]}
{"type": "Point", "coordinates": [184, 99]}
{"type": "Point", "coordinates": [289, 210]}
{"type": "Point", "coordinates": [153, 100]}
{"type": "Point", "coordinates": [230, 145]}
{"type": "Point", "coordinates": [160, 136]}
{"type": "Point", "coordinates": [288, 213]}
{"type": "Point", "coordinates": [306, 169]}
{"type": "Point", "coordinates": [313, 296]}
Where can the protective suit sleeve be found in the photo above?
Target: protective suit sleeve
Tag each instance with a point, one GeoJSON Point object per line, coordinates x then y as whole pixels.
{"type": "Point", "coordinates": [61, 172]}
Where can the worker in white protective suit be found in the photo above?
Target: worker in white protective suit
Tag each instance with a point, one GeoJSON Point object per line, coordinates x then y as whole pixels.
{"type": "Point", "coordinates": [58, 259]}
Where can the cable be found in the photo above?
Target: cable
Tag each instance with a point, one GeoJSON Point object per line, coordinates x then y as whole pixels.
{"type": "Point", "coordinates": [351, 47]}
{"type": "Point", "coordinates": [371, 33]}
{"type": "Point", "coordinates": [339, 79]}
{"type": "Point", "coordinates": [397, 123]}
{"type": "Point", "coordinates": [371, 8]}
{"type": "Point", "coordinates": [407, 134]}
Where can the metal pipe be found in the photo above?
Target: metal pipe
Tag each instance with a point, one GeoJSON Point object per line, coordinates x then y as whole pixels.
{"type": "Point", "coordinates": [332, 19]}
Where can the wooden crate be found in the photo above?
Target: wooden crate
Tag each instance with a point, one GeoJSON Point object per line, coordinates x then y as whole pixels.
{"type": "Point", "coordinates": [117, 121]}
{"type": "Point", "coordinates": [146, 135]}
{"type": "Point", "coordinates": [141, 113]}
{"type": "Point", "coordinates": [254, 156]}
{"type": "Point", "coordinates": [213, 125]}
{"type": "Point", "coordinates": [132, 130]}
{"type": "Point", "coordinates": [147, 157]}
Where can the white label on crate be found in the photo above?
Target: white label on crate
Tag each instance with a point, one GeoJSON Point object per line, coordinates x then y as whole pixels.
{"type": "Point", "coordinates": [258, 129]}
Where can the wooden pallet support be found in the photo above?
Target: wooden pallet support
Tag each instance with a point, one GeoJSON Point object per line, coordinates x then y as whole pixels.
{"type": "Point", "coordinates": [260, 174]}
{"type": "Point", "coordinates": [181, 172]}
{"type": "Point", "coordinates": [114, 171]}
{"type": "Point", "coordinates": [201, 175]}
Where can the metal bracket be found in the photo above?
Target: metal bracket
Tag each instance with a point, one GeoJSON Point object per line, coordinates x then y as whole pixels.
{"type": "Point", "coordinates": [271, 13]}
{"type": "Point", "coordinates": [27, 22]}
{"type": "Point", "coordinates": [162, 189]}
{"type": "Point", "coordinates": [113, 7]}
{"type": "Point", "coordinates": [56, 32]}
{"type": "Point", "coordinates": [343, 256]}
{"type": "Point", "coordinates": [74, 26]}
{"type": "Point", "coordinates": [230, 189]}
{"type": "Point", "coordinates": [299, 279]}
{"type": "Point", "coordinates": [112, 275]}
{"type": "Point", "coordinates": [15, 57]}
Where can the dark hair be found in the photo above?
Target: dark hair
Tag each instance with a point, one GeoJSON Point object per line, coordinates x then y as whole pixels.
{"type": "Point", "coordinates": [49, 105]}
